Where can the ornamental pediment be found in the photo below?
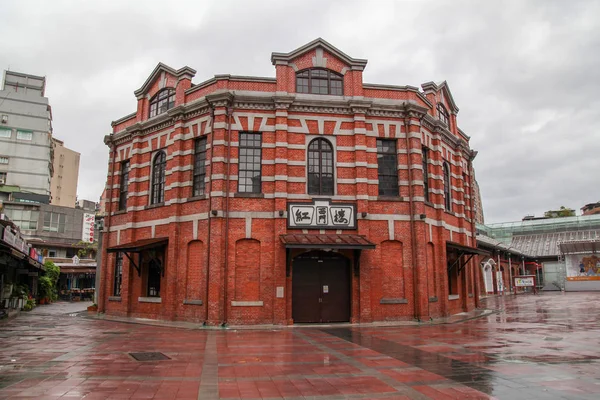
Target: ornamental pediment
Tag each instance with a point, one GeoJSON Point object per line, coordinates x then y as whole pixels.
{"type": "Point", "coordinates": [163, 76]}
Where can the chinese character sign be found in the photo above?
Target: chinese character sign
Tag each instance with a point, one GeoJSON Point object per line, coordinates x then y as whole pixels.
{"type": "Point", "coordinates": [88, 228]}
{"type": "Point", "coordinates": [321, 214]}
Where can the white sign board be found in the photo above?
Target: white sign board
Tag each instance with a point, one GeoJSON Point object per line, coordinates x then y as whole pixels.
{"type": "Point", "coordinates": [322, 214]}
{"type": "Point", "coordinates": [524, 282]}
{"type": "Point", "coordinates": [88, 227]}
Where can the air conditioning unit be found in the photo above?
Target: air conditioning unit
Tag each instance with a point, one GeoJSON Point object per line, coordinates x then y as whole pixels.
{"type": "Point", "coordinates": [5, 119]}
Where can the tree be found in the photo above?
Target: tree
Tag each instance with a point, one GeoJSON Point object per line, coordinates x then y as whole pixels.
{"type": "Point", "coordinates": [47, 282]}
{"type": "Point", "coordinates": [560, 213]}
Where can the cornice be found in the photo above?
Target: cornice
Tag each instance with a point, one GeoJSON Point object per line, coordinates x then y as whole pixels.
{"type": "Point", "coordinates": [305, 104]}
{"type": "Point", "coordinates": [406, 88]}
{"type": "Point", "coordinates": [231, 78]}
{"type": "Point", "coordinates": [220, 99]}
{"type": "Point", "coordinates": [123, 119]}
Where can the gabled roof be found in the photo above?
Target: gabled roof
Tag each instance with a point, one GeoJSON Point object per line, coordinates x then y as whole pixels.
{"type": "Point", "coordinates": [436, 87]}
{"type": "Point", "coordinates": [355, 63]}
{"type": "Point", "coordinates": [182, 72]}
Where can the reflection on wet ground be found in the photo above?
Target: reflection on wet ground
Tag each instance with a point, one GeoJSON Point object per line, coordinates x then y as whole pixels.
{"type": "Point", "coordinates": [537, 347]}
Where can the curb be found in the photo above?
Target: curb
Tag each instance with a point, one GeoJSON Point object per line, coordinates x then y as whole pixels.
{"type": "Point", "coordinates": [199, 326]}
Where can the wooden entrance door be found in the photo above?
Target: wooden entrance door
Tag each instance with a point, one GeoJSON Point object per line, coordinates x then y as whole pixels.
{"type": "Point", "coordinates": [320, 288]}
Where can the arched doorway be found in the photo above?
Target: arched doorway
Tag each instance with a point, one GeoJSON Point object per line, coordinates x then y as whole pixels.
{"type": "Point", "coordinates": [320, 288]}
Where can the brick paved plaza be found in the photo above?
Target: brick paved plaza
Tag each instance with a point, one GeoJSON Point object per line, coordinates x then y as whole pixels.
{"type": "Point", "coordinates": [538, 347]}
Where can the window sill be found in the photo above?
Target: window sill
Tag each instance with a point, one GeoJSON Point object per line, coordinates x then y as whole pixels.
{"type": "Point", "coordinates": [120, 212]}
{"type": "Point", "coordinates": [393, 301]}
{"type": "Point", "coordinates": [450, 213]}
{"type": "Point", "coordinates": [196, 198]}
{"type": "Point", "coordinates": [390, 198]}
{"type": "Point", "coordinates": [249, 195]}
{"type": "Point", "coordinates": [433, 299]}
{"type": "Point", "coordinates": [149, 300]}
{"type": "Point", "coordinates": [470, 294]}
{"type": "Point", "coordinates": [453, 297]}
{"type": "Point", "coordinates": [428, 203]}
{"type": "Point", "coordinates": [114, 298]}
{"type": "Point", "coordinates": [246, 304]}
{"type": "Point", "coordinates": [151, 206]}
{"type": "Point", "coordinates": [193, 302]}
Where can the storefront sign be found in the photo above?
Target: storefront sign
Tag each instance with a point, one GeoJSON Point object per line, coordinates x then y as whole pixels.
{"type": "Point", "coordinates": [321, 214]}
{"type": "Point", "coordinates": [526, 281]}
{"type": "Point", "coordinates": [88, 228]}
{"type": "Point", "coordinates": [9, 237]}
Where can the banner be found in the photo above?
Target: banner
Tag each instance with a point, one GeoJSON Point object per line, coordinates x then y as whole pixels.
{"type": "Point", "coordinates": [88, 228]}
{"type": "Point", "coordinates": [583, 267]}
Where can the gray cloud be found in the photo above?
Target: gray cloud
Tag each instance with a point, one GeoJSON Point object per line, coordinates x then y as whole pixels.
{"type": "Point", "coordinates": [524, 73]}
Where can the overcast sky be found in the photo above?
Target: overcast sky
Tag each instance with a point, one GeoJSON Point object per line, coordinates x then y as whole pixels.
{"type": "Point", "coordinates": [525, 74]}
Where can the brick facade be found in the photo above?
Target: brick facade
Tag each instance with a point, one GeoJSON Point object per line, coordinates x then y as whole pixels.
{"type": "Point", "coordinates": [224, 261]}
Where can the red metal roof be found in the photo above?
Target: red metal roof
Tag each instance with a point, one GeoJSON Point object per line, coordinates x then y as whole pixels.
{"type": "Point", "coordinates": [331, 241]}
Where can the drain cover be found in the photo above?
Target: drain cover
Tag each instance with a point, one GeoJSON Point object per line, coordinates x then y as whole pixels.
{"type": "Point", "coordinates": [150, 356]}
{"type": "Point", "coordinates": [553, 339]}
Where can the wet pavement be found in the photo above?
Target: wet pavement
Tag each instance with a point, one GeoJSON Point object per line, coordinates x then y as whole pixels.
{"type": "Point", "coordinates": [537, 347]}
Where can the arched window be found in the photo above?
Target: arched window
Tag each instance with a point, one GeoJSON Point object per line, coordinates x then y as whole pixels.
{"type": "Point", "coordinates": [162, 101]}
{"type": "Point", "coordinates": [319, 81]}
{"type": "Point", "coordinates": [320, 167]}
{"type": "Point", "coordinates": [447, 190]}
{"type": "Point", "coordinates": [158, 178]}
{"type": "Point", "coordinates": [443, 114]}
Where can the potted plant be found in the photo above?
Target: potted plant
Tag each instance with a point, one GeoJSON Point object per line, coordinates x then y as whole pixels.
{"type": "Point", "coordinates": [93, 307]}
{"type": "Point", "coordinates": [29, 305]}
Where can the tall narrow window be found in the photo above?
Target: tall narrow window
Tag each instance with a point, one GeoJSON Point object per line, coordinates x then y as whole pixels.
{"type": "Point", "coordinates": [319, 81]}
{"type": "Point", "coordinates": [320, 167]}
{"type": "Point", "coordinates": [199, 166]}
{"type": "Point", "coordinates": [118, 274]}
{"type": "Point", "coordinates": [447, 189]}
{"type": "Point", "coordinates": [443, 114]}
{"type": "Point", "coordinates": [387, 167]}
{"type": "Point", "coordinates": [158, 178]}
{"type": "Point", "coordinates": [425, 152]}
{"type": "Point", "coordinates": [124, 185]}
{"type": "Point", "coordinates": [249, 175]}
{"type": "Point", "coordinates": [162, 101]}
{"type": "Point", "coordinates": [154, 271]}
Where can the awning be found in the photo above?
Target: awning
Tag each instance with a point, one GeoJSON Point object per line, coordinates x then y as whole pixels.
{"type": "Point", "coordinates": [466, 249]}
{"type": "Point", "coordinates": [327, 241]}
{"type": "Point", "coordinates": [579, 246]}
{"type": "Point", "coordinates": [139, 245]}
{"type": "Point", "coordinates": [77, 271]}
{"type": "Point", "coordinates": [463, 250]}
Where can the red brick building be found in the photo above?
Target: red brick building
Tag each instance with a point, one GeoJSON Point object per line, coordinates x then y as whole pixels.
{"type": "Point", "coordinates": [308, 197]}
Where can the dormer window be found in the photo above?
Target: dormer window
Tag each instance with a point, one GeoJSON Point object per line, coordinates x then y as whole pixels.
{"type": "Point", "coordinates": [319, 81]}
{"type": "Point", "coordinates": [443, 114]}
{"type": "Point", "coordinates": [162, 101]}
